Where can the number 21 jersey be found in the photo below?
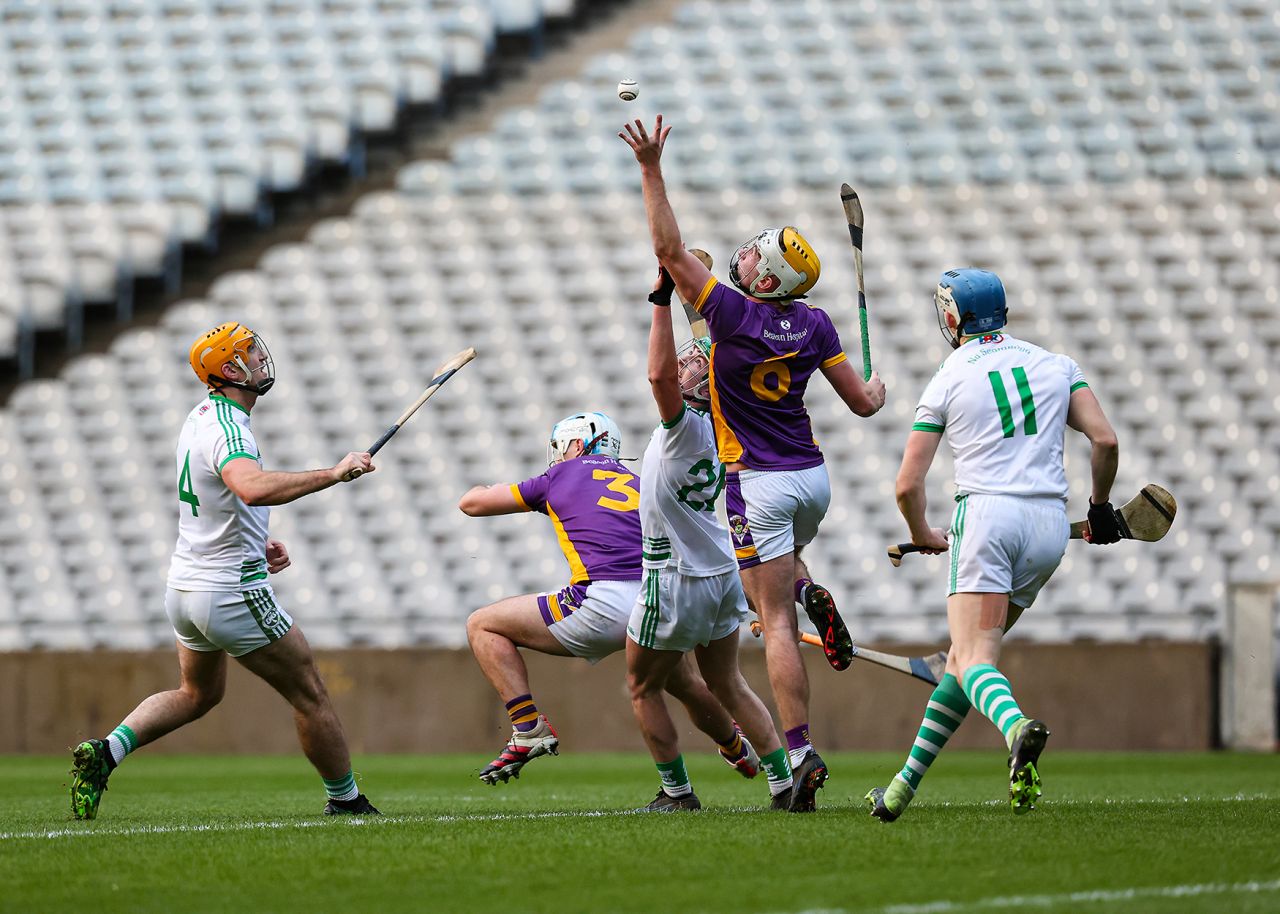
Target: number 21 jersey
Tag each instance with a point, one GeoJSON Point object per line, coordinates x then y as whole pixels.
{"type": "Point", "coordinates": [680, 479]}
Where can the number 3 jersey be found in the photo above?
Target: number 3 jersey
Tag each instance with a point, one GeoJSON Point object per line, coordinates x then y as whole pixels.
{"type": "Point", "coordinates": [681, 477]}
{"type": "Point", "coordinates": [594, 504]}
{"type": "Point", "coordinates": [222, 542]}
{"type": "Point", "coordinates": [762, 357]}
{"type": "Point", "coordinates": [1002, 404]}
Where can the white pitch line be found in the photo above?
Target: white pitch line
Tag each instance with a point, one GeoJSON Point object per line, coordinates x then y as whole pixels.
{"type": "Point", "coordinates": [1096, 896]}
{"type": "Point", "coordinates": [92, 831]}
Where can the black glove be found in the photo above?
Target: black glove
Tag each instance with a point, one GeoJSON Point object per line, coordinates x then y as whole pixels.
{"type": "Point", "coordinates": [1104, 524]}
{"type": "Point", "coordinates": [661, 296]}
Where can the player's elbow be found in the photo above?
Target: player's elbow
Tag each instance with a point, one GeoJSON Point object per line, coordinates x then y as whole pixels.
{"type": "Point", "coordinates": [667, 249]}
{"type": "Point", "coordinates": [1106, 442]}
{"type": "Point", "coordinates": [907, 489]}
{"type": "Point", "coordinates": [661, 378]}
{"type": "Point", "coordinates": [471, 503]}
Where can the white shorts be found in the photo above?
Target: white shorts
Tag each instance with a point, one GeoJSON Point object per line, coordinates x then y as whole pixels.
{"type": "Point", "coordinates": [774, 512]}
{"type": "Point", "coordinates": [1007, 544]}
{"type": "Point", "coordinates": [226, 621]}
{"type": "Point", "coordinates": [590, 619]}
{"type": "Point", "coordinates": [676, 612]}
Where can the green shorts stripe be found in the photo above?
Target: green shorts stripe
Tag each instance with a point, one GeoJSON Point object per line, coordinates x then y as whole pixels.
{"type": "Point", "coordinates": [261, 606]}
{"type": "Point", "coordinates": [957, 537]}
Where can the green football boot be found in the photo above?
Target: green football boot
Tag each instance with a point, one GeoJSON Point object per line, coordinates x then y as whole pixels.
{"type": "Point", "coordinates": [888, 803]}
{"type": "Point", "coordinates": [91, 766]}
{"type": "Point", "coordinates": [1024, 753]}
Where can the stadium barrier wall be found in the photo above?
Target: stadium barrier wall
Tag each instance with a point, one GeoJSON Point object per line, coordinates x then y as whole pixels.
{"type": "Point", "coordinates": [1138, 696]}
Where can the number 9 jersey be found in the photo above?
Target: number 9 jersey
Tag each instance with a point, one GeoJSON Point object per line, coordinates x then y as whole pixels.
{"type": "Point", "coordinates": [681, 478]}
{"type": "Point", "coordinates": [762, 356]}
{"type": "Point", "coordinates": [593, 503]}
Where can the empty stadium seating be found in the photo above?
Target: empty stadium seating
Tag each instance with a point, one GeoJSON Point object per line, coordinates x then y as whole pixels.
{"type": "Point", "coordinates": [1117, 163]}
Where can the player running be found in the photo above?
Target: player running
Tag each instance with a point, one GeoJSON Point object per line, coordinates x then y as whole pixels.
{"type": "Point", "coordinates": [766, 344]}
{"type": "Point", "coordinates": [218, 598]}
{"type": "Point", "coordinates": [692, 598]}
{"type": "Point", "coordinates": [593, 503]}
{"type": "Point", "coordinates": [1004, 405]}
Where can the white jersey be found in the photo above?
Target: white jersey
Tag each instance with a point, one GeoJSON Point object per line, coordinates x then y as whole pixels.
{"type": "Point", "coordinates": [222, 542]}
{"type": "Point", "coordinates": [1002, 404]}
{"type": "Point", "coordinates": [680, 479]}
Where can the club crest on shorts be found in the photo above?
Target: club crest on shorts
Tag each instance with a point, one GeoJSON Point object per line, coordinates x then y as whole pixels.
{"type": "Point", "coordinates": [271, 618]}
{"type": "Point", "coordinates": [739, 528]}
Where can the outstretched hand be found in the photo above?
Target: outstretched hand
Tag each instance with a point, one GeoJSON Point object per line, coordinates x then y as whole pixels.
{"type": "Point", "coordinates": [648, 149]}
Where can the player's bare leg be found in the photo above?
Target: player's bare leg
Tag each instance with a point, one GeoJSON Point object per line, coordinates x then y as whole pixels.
{"type": "Point", "coordinates": [496, 633]}
{"type": "Point", "coordinates": [718, 662]}
{"type": "Point", "coordinates": [770, 589]}
{"type": "Point", "coordinates": [288, 666]}
{"type": "Point", "coordinates": [820, 607]}
{"type": "Point", "coordinates": [648, 672]}
{"type": "Point", "coordinates": [203, 681]}
{"type": "Point", "coordinates": [686, 685]}
{"type": "Point", "coordinates": [978, 622]}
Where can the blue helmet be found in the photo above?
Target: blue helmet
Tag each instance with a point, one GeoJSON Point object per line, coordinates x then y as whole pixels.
{"type": "Point", "coordinates": [970, 302]}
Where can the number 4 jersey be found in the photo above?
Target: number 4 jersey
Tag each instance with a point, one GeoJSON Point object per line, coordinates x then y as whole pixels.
{"type": "Point", "coordinates": [222, 542]}
{"type": "Point", "coordinates": [1002, 404]}
{"type": "Point", "coordinates": [594, 505]}
{"type": "Point", "coordinates": [681, 477]}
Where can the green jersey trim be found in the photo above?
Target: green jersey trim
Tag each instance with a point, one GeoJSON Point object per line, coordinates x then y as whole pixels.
{"type": "Point", "coordinates": [926, 427]}
{"type": "Point", "coordinates": [230, 402]}
{"type": "Point", "coordinates": [231, 457]}
{"type": "Point", "coordinates": [1078, 384]}
{"type": "Point", "coordinates": [230, 430]}
{"type": "Point", "coordinates": [676, 421]}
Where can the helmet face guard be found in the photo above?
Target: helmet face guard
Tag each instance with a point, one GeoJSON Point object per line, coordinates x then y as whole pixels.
{"type": "Point", "coordinates": [969, 302]}
{"type": "Point", "coordinates": [238, 346]}
{"type": "Point", "coordinates": [776, 265]}
{"type": "Point", "coordinates": [598, 433]}
{"type": "Point", "coordinates": [693, 360]}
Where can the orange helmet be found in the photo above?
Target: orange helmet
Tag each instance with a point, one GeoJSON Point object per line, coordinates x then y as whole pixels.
{"type": "Point", "coordinates": [235, 345]}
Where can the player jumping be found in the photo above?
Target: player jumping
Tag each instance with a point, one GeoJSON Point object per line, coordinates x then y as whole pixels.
{"type": "Point", "coordinates": [765, 345]}
{"type": "Point", "coordinates": [1004, 405]}
{"type": "Point", "coordinates": [218, 598]}
{"type": "Point", "coordinates": [692, 599]}
{"type": "Point", "coordinates": [592, 501]}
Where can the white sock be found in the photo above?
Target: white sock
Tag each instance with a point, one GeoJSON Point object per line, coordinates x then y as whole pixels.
{"type": "Point", "coordinates": [797, 755]}
{"type": "Point", "coordinates": [117, 747]}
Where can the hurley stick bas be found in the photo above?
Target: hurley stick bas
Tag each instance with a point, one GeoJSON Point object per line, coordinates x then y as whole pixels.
{"type": "Point", "coordinates": [443, 373]}
{"type": "Point", "coordinates": [697, 323]}
{"type": "Point", "coordinates": [1146, 517]}
{"type": "Point", "coordinates": [853, 215]}
{"type": "Point", "coordinates": [927, 669]}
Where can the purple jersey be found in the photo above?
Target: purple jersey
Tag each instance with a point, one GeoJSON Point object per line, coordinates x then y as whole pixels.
{"type": "Point", "coordinates": [762, 357]}
{"type": "Point", "coordinates": [594, 504]}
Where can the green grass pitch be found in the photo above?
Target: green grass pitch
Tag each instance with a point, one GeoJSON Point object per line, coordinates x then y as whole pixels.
{"type": "Point", "coordinates": [1130, 833]}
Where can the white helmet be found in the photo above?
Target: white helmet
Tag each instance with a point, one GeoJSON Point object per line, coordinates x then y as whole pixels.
{"type": "Point", "coordinates": [777, 264]}
{"type": "Point", "coordinates": [598, 433]}
{"type": "Point", "coordinates": [693, 359]}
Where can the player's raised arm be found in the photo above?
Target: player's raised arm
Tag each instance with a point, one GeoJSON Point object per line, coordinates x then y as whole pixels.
{"type": "Point", "coordinates": [689, 273]}
{"type": "Point", "coordinates": [865, 398]}
{"type": "Point", "coordinates": [488, 501]}
{"type": "Point", "coordinates": [910, 491]}
{"type": "Point", "coordinates": [1085, 415]}
{"type": "Point", "coordinates": [256, 487]}
{"type": "Point", "coordinates": [664, 369]}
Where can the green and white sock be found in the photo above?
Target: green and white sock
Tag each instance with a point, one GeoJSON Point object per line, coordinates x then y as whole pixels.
{"type": "Point", "coordinates": [943, 714]}
{"type": "Point", "coordinates": [121, 741]}
{"type": "Point", "coordinates": [342, 789]}
{"type": "Point", "coordinates": [675, 780]}
{"type": "Point", "coordinates": [777, 768]}
{"type": "Point", "coordinates": [989, 691]}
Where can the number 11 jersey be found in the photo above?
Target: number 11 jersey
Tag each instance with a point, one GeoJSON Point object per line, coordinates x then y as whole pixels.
{"type": "Point", "coordinates": [1002, 404]}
